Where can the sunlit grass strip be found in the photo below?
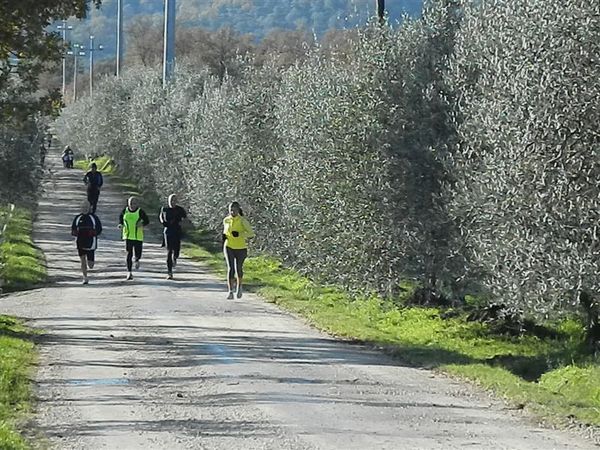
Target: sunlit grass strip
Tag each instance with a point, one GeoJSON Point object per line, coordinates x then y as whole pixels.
{"type": "Point", "coordinates": [17, 355]}
{"type": "Point", "coordinates": [105, 164]}
{"type": "Point", "coordinates": [21, 263]}
{"type": "Point", "coordinates": [568, 389]}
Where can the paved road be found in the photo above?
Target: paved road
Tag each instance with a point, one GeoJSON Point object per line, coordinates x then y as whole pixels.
{"type": "Point", "coordinates": [158, 364]}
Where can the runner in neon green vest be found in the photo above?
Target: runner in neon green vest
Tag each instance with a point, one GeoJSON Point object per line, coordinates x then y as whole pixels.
{"type": "Point", "coordinates": [132, 221]}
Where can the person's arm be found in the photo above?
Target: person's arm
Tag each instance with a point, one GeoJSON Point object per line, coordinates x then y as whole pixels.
{"type": "Point", "coordinates": [227, 227]}
{"type": "Point", "coordinates": [144, 218]}
{"type": "Point", "coordinates": [98, 225]}
{"type": "Point", "coordinates": [248, 231]}
{"type": "Point", "coordinates": [121, 218]}
{"type": "Point", "coordinates": [86, 178]}
{"type": "Point", "coordinates": [74, 226]}
{"type": "Point", "coordinates": [100, 180]}
{"type": "Point", "coordinates": [162, 217]}
{"type": "Point", "coordinates": [225, 230]}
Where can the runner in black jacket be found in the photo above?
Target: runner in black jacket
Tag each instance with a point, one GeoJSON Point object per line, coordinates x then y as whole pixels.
{"type": "Point", "coordinates": [86, 227]}
{"type": "Point", "coordinates": [94, 181]}
{"type": "Point", "coordinates": [171, 217]}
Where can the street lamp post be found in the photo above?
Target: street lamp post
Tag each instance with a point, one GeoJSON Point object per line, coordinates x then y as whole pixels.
{"type": "Point", "coordinates": [169, 41]}
{"type": "Point", "coordinates": [64, 28]}
{"type": "Point", "coordinates": [381, 11]}
{"type": "Point", "coordinates": [91, 50]}
{"type": "Point", "coordinates": [119, 37]}
{"type": "Point", "coordinates": [78, 50]}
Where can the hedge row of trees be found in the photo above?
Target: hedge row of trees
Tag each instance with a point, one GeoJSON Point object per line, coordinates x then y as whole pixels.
{"type": "Point", "coordinates": [460, 150]}
{"type": "Point", "coordinates": [26, 48]}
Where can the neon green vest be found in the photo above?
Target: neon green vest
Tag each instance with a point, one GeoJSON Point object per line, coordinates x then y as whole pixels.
{"type": "Point", "coordinates": [130, 229]}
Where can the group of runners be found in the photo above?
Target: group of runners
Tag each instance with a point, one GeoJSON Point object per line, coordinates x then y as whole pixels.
{"type": "Point", "coordinates": [87, 227]}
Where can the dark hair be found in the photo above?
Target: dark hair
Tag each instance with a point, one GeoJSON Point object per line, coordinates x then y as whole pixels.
{"type": "Point", "coordinates": [236, 205]}
{"type": "Point", "coordinates": [94, 166]}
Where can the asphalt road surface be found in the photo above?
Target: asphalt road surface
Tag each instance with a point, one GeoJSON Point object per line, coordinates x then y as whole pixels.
{"type": "Point", "coordinates": [159, 364]}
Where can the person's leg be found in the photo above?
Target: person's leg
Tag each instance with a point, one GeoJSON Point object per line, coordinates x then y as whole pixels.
{"type": "Point", "coordinates": [169, 261]}
{"type": "Point", "coordinates": [230, 260]}
{"type": "Point", "coordinates": [176, 250]}
{"type": "Point", "coordinates": [91, 259]}
{"type": "Point", "coordinates": [96, 198]}
{"type": "Point", "coordinates": [93, 195]}
{"type": "Point", "coordinates": [84, 272]}
{"type": "Point", "coordinates": [129, 248]}
{"type": "Point", "coordinates": [240, 257]}
{"type": "Point", "coordinates": [170, 253]}
{"type": "Point", "coordinates": [137, 246]}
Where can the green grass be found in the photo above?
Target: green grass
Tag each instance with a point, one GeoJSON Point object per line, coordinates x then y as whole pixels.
{"type": "Point", "coordinates": [105, 164]}
{"type": "Point", "coordinates": [17, 356]}
{"type": "Point", "coordinates": [21, 263]}
{"type": "Point", "coordinates": [553, 378]}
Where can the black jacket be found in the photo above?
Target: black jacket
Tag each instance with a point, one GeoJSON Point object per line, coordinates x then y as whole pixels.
{"type": "Point", "coordinates": [171, 219]}
{"type": "Point", "coordinates": [93, 180]}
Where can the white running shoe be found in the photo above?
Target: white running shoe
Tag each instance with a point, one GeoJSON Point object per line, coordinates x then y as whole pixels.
{"type": "Point", "coordinates": [129, 276]}
{"type": "Point", "coordinates": [230, 296]}
{"type": "Point", "coordinates": [85, 280]}
{"type": "Point", "coordinates": [169, 276]}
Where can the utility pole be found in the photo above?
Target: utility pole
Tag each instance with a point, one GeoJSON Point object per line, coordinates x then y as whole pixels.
{"type": "Point", "coordinates": [119, 37]}
{"type": "Point", "coordinates": [169, 41]}
{"type": "Point", "coordinates": [64, 28]}
{"type": "Point", "coordinates": [91, 50]}
{"type": "Point", "coordinates": [381, 11]}
{"type": "Point", "coordinates": [78, 50]}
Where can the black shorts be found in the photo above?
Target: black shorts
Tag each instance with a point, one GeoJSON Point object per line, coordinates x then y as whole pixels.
{"type": "Point", "coordinates": [172, 241]}
{"type": "Point", "coordinates": [134, 246]}
{"type": "Point", "coordinates": [89, 253]}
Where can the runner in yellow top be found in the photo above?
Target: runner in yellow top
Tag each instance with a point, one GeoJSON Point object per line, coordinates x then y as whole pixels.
{"type": "Point", "coordinates": [236, 229]}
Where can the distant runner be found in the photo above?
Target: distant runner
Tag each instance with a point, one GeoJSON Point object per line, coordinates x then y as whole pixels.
{"type": "Point", "coordinates": [171, 216]}
{"type": "Point", "coordinates": [86, 227]}
{"type": "Point", "coordinates": [132, 221]}
{"type": "Point", "coordinates": [94, 181]}
{"type": "Point", "coordinates": [67, 157]}
{"type": "Point", "coordinates": [236, 229]}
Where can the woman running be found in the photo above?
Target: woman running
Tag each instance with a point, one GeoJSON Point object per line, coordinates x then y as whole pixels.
{"type": "Point", "coordinates": [236, 229]}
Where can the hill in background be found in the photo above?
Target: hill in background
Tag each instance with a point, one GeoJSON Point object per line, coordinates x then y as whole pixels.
{"type": "Point", "coordinates": [256, 17]}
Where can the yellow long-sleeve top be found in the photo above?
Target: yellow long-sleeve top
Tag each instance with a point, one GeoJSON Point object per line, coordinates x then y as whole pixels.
{"type": "Point", "coordinates": [242, 226]}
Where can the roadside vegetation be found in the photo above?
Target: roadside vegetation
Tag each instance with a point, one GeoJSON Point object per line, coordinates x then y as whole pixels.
{"type": "Point", "coordinates": [21, 262]}
{"type": "Point", "coordinates": [17, 356]}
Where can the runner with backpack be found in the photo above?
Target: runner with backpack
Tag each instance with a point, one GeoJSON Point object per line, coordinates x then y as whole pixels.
{"type": "Point", "coordinates": [86, 227]}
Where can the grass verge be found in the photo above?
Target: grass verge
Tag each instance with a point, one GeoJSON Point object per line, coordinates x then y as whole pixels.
{"type": "Point", "coordinates": [17, 350]}
{"type": "Point", "coordinates": [21, 263]}
{"type": "Point", "coordinates": [554, 377]}
{"type": "Point", "coordinates": [105, 164]}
